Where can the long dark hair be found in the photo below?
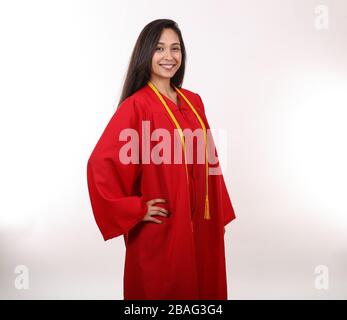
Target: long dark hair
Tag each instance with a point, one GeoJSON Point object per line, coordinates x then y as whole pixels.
{"type": "Point", "coordinates": [139, 69]}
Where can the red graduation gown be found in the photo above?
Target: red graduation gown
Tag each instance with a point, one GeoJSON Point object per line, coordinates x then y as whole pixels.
{"type": "Point", "coordinates": [184, 257]}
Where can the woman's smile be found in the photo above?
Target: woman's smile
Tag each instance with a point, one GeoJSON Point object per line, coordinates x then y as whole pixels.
{"type": "Point", "coordinates": [167, 66]}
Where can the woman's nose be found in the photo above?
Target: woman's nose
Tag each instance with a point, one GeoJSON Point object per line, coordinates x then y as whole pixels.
{"type": "Point", "coordinates": [168, 56]}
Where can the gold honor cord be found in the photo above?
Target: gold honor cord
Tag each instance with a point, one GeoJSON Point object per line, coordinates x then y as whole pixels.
{"type": "Point", "coordinates": [174, 120]}
{"type": "Point", "coordinates": [207, 209]}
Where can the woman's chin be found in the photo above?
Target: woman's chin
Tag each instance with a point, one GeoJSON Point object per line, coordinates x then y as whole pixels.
{"type": "Point", "coordinates": [166, 75]}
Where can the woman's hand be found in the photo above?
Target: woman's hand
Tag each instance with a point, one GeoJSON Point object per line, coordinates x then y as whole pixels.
{"type": "Point", "coordinates": [154, 210]}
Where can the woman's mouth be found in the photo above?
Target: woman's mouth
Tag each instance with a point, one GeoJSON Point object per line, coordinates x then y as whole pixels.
{"type": "Point", "coordinates": [167, 66]}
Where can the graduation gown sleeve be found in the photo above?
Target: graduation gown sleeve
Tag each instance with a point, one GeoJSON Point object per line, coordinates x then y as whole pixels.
{"type": "Point", "coordinates": [113, 186]}
{"type": "Point", "coordinates": [224, 198]}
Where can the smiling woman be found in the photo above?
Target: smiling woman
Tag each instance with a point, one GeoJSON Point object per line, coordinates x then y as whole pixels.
{"type": "Point", "coordinates": [172, 214]}
{"type": "Point", "coordinates": [165, 62]}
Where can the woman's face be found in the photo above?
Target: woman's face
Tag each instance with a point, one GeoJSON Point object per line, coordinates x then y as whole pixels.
{"type": "Point", "coordinates": [167, 56]}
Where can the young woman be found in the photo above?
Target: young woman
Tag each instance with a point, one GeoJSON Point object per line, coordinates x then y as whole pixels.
{"type": "Point", "coordinates": [145, 184]}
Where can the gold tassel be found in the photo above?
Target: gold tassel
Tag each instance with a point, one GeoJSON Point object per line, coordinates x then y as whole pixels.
{"type": "Point", "coordinates": [207, 209]}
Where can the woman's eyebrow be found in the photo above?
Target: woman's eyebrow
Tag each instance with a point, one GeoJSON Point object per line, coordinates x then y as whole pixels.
{"type": "Point", "coordinates": [171, 43]}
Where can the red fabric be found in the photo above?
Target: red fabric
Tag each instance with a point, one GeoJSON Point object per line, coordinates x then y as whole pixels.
{"type": "Point", "coordinates": [182, 258]}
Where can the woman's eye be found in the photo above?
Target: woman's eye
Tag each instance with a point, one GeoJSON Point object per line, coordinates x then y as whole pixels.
{"type": "Point", "coordinates": [160, 48]}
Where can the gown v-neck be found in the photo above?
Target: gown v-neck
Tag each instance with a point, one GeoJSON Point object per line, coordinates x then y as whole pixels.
{"type": "Point", "coordinates": [177, 105]}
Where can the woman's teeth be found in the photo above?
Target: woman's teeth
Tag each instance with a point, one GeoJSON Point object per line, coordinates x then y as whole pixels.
{"type": "Point", "coordinates": [167, 66]}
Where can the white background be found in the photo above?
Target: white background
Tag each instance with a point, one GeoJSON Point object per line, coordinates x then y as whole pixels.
{"type": "Point", "coordinates": [267, 73]}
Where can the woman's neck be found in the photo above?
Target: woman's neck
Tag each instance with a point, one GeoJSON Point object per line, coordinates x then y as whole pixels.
{"type": "Point", "coordinates": [163, 86]}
